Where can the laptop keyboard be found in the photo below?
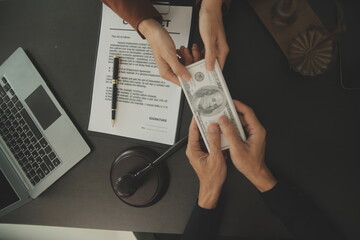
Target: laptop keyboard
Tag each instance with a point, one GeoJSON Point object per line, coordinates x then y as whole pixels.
{"type": "Point", "coordinates": [26, 142]}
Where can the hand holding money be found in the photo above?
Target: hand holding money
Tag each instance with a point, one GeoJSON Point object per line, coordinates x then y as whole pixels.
{"type": "Point", "coordinates": [209, 99]}
{"type": "Point", "coordinates": [248, 156]}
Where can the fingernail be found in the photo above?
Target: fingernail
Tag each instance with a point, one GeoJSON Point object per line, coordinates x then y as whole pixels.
{"type": "Point", "coordinates": [187, 77]}
{"type": "Point", "coordinates": [213, 128]}
{"type": "Point", "coordinates": [209, 67]}
{"type": "Point", "coordinates": [223, 120]}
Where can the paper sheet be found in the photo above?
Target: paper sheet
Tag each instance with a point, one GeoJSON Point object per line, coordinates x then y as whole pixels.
{"type": "Point", "coordinates": [148, 106]}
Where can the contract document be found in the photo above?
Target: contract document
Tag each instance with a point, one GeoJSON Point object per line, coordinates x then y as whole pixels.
{"type": "Point", "coordinates": [147, 105]}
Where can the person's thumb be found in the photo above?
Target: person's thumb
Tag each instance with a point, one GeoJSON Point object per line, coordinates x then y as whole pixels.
{"type": "Point", "coordinates": [210, 55]}
{"type": "Point", "coordinates": [230, 132]}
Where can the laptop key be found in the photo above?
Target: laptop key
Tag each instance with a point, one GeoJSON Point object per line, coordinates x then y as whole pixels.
{"type": "Point", "coordinates": [18, 105]}
{"type": "Point", "coordinates": [31, 124]}
{"type": "Point", "coordinates": [3, 106]}
{"type": "Point", "coordinates": [7, 112]}
{"type": "Point", "coordinates": [2, 92]}
{"type": "Point", "coordinates": [12, 118]}
{"type": "Point", "coordinates": [28, 167]}
{"type": "Point", "coordinates": [44, 168]}
{"type": "Point", "coordinates": [7, 124]}
{"type": "Point", "coordinates": [27, 154]}
{"type": "Point", "coordinates": [35, 154]}
{"type": "Point", "coordinates": [14, 110]}
{"type": "Point", "coordinates": [40, 173]}
{"type": "Point", "coordinates": [29, 134]}
{"type": "Point", "coordinates": [19, 141]}
{"type": "Point", "coordinates": [32, 173]}
{"type": "Point", "coordinates": [23, 147]}
{"type": "Point", "coordinates": [28, 175]}
{"type": "Point", "coordinates": [52, 155]}
{"type": "Point", "coordinates": [33, 140]}
{"type": "Point", "coordinates": [36, 179]}
{"type": "Point", "coordinates": [43, 142]}
{"type": "Point", "coordinates": [38, 160]}
{"type": "Point", "coordinates": [21, 122]}
{"type": "Point", "coordinates": [56, 162]}
{"type": "Point", "coordinates": [23, 136]}
{"type": "Point", "coordinates": [31, 148]}
{"type": "Point", "coordinates": [5, 131]}
{"type": "Point", "coordinates": [38, 146]}
{"type": "Point", "coordinates": [6, 99]}
{"type": "Point", "coordinates": [35, 165]}
{"type": "Point", "coordinates": [18, 116]}
{"type": "Point", "coordinates": [26, 128]}
{"type": "Point", "coordinates": [32, 182]}
{"type": "Point", "coordinates": [16, 135]}
{"type": "Point", "coordinates": [48, 149]}
{"type": "Point", "coordinates": [10, 104]}
{"type": "Point", "coordinates": [12, 129]}
{"type": "Point", "coordinates": [48, 163]}
{"type": "Point", "coordinates": [13, 151]}
{"type": "Point", "coordinates": [27, 142]}
{"type": "Point", "coordinates": [13, 142]}
{"type": "Point", "coordinates": [3, 118]}
{"type": "Point", "coordinates": [3, 79]}
{"type": "Point", "coordinates": [7, 87]}
{"type": "Point", "coordinates": [17, 149]}
{"type": "Point", "coordinates": [41, 153]}
{"type": "Point", "coordinates": [20, 155]}
{"type": "Point", "coordinates": [31, 160]}
{"type": "Point", "coordinates": [14, 99]}
{"type": "Point", "coordinates": [15, 124]}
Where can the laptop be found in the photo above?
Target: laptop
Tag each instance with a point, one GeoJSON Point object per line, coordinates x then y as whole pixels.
{"type": "Point", "coordinates": [38, 141]}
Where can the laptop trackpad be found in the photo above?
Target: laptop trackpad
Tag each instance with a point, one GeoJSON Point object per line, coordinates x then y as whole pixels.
{"type": "Point", "coordinates": [8, 196]}
{"type": "Point", "coordinates": [42, 107]}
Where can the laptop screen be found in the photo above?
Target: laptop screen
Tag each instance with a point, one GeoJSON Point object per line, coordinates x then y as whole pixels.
{"type": "Point", "coordinates": [7, 194]}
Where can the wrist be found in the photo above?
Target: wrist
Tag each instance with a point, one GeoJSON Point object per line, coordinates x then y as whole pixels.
{"type": "Point", "coordinates": [147, 26]}
{"type": "Point", "coordinates": [208, 196]}
{"type": "Point", "coordinates": [212, 3]}
{"type": "Point", "coordinates": [263, 180]}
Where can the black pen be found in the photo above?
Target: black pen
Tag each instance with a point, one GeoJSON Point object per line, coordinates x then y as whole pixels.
{"type": "Point", "coordinates": [114, 81]}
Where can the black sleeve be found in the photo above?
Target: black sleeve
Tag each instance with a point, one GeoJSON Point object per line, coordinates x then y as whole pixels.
{"type": "Point", "coordinates": [203, 224]}
{"type": "Point", "coordinates": [301, 217]}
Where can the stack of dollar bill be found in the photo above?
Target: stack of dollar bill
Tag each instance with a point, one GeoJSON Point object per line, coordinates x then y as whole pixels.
{"type": "Point", "coordinates": [209, 99]}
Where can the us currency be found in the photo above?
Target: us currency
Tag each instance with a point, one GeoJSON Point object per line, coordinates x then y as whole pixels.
{"type": "Point", "coordinates": [209, 99]}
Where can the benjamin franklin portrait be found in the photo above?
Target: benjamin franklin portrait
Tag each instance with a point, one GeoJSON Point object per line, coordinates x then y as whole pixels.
{"type": "Point", "coordinates": [209, 101]}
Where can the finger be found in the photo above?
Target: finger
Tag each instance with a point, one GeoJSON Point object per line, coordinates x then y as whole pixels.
{"type": "Point", "coordinates": [166, 72]}
{"type": "Point", "coordinates": [180, 56]}
{"type": "Point", "coordinates": [223, 52]}
{"type": "Point", "coordinates": [254, 127]}
{"type": "Point", "coordinates": [179, 69]}
{"type": "Point", "coordinates": [194, 136]}
{"type": "Point", "coordinates": [230, 132]}
{"type": "Point", "coordinates": [214, 141]}
{"type": "Point", "coordinates": [188, 58]}
{"type": "Point", "coordinates": [248, 114]}
{"type": "Point", "coordinates": [210, 54]}
{"type": "Point", "coordinates": [196, 52]}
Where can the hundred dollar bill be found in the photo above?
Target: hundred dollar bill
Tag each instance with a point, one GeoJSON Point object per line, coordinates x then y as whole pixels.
{"type": "Point", "coordinates": [209, 99]}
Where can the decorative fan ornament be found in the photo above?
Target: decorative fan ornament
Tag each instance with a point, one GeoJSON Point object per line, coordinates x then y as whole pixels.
{"type": "Point", "coordinates": [312, 52]}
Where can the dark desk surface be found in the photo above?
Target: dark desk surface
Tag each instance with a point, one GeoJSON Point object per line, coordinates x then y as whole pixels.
{"type": "Point", "coordinates": [313, 127]}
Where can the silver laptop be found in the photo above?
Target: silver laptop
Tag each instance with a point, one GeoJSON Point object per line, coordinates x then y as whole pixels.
{"type": "Point", "coordinates": [38, 142]}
